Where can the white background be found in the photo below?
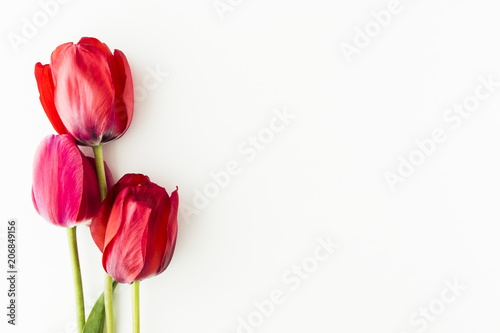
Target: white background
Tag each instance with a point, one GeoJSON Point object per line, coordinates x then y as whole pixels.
{"type": "Point", "coordinates": [322, 176]}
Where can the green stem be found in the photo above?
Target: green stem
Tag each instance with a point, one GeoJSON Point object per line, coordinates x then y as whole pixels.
{"type": "Point", "coordinates": [108, 304]}
{"type": "Point", "coordinates": [135, 307]}
{"type": "Point", "coordinates": [77, 277]}
{"type": "Point", "coordinates": [108, 285]}
{"type": "Point", "coordinates": [101, 172]}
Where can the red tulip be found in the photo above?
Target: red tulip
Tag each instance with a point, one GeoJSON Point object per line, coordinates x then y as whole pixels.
{"type": "Point", "coordinates": [86, 91]}
{"type": "Point", "coordinates": [65, 189]}
{"type": "Point", "coordinates": [136, 229]}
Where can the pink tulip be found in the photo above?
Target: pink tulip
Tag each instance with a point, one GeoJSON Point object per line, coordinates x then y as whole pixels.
{"type": "Point", "coordinates": [65, 189]}
{"type": "Point", "coordinates": [136, 229]}
{"type": "Point", "coordinates": [87, 92]}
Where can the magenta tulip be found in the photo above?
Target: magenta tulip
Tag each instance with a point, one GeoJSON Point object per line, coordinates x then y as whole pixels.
{"type": "Point", "coordinates": [87, 91]}
{"type": "Point", "coordinates": [136, 229]}
{"type": "Point", "coordinates": [65, 189]}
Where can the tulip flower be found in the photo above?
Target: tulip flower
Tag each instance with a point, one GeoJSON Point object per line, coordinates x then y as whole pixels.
{"type": "Point", "coordinates": [65, 190]}
{"type": "Point", "coordinates": [136, 229]}
{"type": "Point", "coordinates": [86, 91]}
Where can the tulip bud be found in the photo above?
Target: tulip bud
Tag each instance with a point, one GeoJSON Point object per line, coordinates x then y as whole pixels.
{"type": "Point", "coordinates": [136, 229]}
{"type": "Point", "coordinates": [87, 92]}
{"type": "Point", "coordinates": [65, 189]}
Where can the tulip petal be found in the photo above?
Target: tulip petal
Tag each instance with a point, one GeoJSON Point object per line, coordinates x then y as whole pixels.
{"type": "Point", "coordinates": [96, 43]}
{"type": "Point", "coordinates": [100, 221]}
{"type": "Point", "coordinates": [45, 84]}
{"type": "Point", "coordinates": [34, 201]}
{"type": "Point", "coordinates": [124, 258]}
{"type": "Point", "coordinates": [84, 93]}
{"type": "Point", "coordinates": [124, 92]}
{"type": "Point", "coordinates": [125, 184]}
{"type": "Point", "coordinates": [91, 197]}
{"type": "Point", "coordinates": [156, 197]}
{"type": "Point", "coordinates": [61, 48]}
{"type": "Point", "coordinates": [171, 231]}
{"type": "Point", "coordinates": [98, 227]}
{"type": "Point", "coordinates": [131, 179]}
{"type": "Point", "coordinates": [117, 69]}
{"type": "Point", "coordinates": [58, 180]}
